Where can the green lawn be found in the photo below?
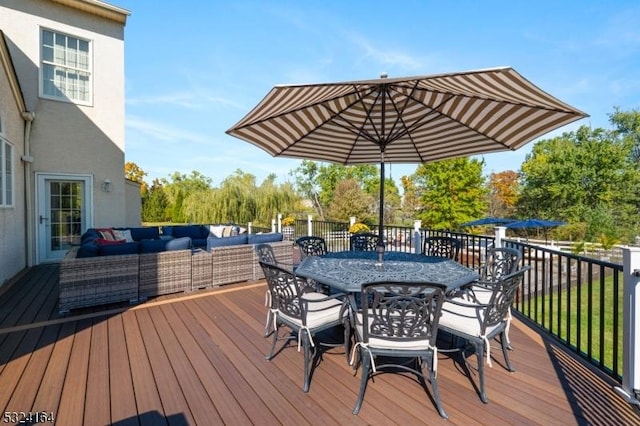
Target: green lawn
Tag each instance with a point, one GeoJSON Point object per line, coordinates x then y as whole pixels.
{"type": "Point", "coordinates": [589, 318]}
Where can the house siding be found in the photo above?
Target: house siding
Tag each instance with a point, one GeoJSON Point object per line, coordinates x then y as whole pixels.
{"type": "Point", "coordinates": [68, 138]}
{"type": "Point", "coordinates": [12, 219]}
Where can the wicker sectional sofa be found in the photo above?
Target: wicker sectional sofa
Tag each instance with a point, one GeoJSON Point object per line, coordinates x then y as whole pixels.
{"type": "Point", "coordinates": [100, 280]}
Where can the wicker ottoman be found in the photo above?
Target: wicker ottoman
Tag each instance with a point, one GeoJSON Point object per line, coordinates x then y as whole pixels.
{"type": "Point", "coordinates": [165, 272]}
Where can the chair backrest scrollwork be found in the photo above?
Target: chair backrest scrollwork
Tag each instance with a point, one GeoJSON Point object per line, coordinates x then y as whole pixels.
{"type": "Point", "coordinates": [311, 246]}
{"type": "Point", "coordinates": [442, 246]}
{"type": "Point", "coordinates": [363, 242]}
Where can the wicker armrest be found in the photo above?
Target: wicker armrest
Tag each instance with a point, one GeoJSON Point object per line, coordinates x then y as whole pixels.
{"type": "Point", "coordinates": [283, 251]}
{"type": "Point", "coordinates": [92, 281]}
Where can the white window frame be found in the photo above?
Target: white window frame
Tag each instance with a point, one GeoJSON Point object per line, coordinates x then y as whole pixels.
{"type": "Point", "coordinates": [61, 64]}
{"type": "Point", "coordinates": [7, 172]}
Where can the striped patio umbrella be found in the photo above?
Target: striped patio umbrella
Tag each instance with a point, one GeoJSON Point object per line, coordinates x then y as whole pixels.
{"type": "Point", "coordinates": [403, 120]}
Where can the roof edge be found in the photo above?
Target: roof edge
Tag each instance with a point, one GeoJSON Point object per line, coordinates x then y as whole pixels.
{"type": "Point", "coordinates": [7, 64]}
{"type": "Point", "coordinates": [98, 8]}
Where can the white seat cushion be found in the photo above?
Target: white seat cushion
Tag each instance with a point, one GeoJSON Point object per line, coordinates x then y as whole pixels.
{"type": "Point", "coordinates": [320, 312]}
{"type": "Point", "coordinates": [417, 345]}
{"type": "Point", "coordinates": [481, 293]}
{"type": "Point", "coordinates": [466, 319]}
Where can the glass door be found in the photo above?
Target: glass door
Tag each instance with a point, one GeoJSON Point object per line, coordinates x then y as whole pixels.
{"type": "Point", "coordinates": [62, 214]}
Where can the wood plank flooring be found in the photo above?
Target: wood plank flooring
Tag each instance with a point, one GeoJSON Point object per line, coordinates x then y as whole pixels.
{"type": "Point", "coordinates": [199, 359]}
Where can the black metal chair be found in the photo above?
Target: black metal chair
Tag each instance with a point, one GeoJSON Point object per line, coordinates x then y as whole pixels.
{"type": "Point", "coordinates": [479, 323]}
{"type": "Point", "coordinates": [398, 326]}
{"type": "Point", "coordinates": [311, 246]}
{"type": "Point", "coordinates": [442, 246]}
{"type": "Point", "coordinates": [498, 262]}
{"type": "Point", "coordinates": [304, 311]}
{"type": "Point", "coordinates": [265, 254]}
{"type": "Point", "coordinates": [364, 241]}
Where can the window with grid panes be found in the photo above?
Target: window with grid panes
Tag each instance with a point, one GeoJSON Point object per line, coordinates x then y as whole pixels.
{"type": "Point", "coordinates": [6, 171]}
{"type": "Point", "coordinates": [65, 67]}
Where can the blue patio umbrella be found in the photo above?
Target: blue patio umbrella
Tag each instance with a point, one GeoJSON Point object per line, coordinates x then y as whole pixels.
{"type": "Point", "coordinates": [488, 221]}
{"type": "Point", "coordinates": [534, 223]}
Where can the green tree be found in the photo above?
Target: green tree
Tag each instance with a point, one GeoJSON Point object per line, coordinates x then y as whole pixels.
{"type": "Point", "coordinates": [177, 213]}
{"type": "Point", "coordinates": [584, 176]}
{"type": "Point", "coordinates": [306, 183]}
{"type": "Point", "coordinates": [317, 182]}
{"type": "Point", "coordinates": [503, 193]}
{"type": "Point", "coordinates": [627, 126]}
{"type": "Point", "coordinates": [154, 203]}
{"type": "Point", "coordinates": [392, 202]}
{"type": "Point", "coordinates": [451, 192]}
{"type": "Point", "coordinates": [240, 200]}
{"type": "Point", "coordinates": [351, 200]}
{"type": "Point", "coordinates": [410, 200]}
{"type": "Point", "coordinates": [134, 173]}
{"type": "Point", "coordinates": [330, 175]}
{"type": "Point", "coordinates": [178, 189]}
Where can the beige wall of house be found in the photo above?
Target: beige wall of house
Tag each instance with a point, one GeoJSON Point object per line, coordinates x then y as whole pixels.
{"type": "Point", "coordinates": [134, 203]}
{"type": "Point", "coordinates": [85, 139]}
{"type": "Point", "coordinates": [12, 217]}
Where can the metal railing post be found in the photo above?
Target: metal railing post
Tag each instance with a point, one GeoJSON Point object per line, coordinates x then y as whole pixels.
{"type": "Point", "coordinates": [500, 233]}
{"type": "Point", "coordinates": [630, 389]}
{"type": "Point", "coordinates": [417, 246]}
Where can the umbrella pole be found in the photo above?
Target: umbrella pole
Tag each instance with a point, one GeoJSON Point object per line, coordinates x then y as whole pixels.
{"type": "Point", "coordinates": [380, 246]}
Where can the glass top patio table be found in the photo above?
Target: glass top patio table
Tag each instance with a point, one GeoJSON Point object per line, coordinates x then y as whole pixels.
{"type": "Point", "coordinates": [346, 271]}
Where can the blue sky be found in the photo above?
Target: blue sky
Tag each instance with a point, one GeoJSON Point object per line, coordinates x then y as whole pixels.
{"type": "Point", "coordinates": [194, 68]}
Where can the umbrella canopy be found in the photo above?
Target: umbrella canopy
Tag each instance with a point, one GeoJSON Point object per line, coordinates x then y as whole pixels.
{"type": "Point", "coordinates": [534, 223]}
{"type": "Point", "coordinates": [488, 221]}
{"type": "Point", "coordinates": [403, 120]}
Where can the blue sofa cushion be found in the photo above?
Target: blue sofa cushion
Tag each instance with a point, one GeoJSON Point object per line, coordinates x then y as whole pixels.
{"type": "Point", "coordinates": [88, 249]}
{"type": "Point", "coordinates": [167, 230]}
{"type": "Point", "coordinates": [199, 242]}
{"type": "Point", "coordinates": [265, 238]}
{"type": "Point", "coordinates": [145, 233]}
{"type": "Point", "coordinates": [152, 246]}
{"type": "Point", "coordinates": [213, 242]}
{"type": "Point", "coordinates": [183, 243]}
{"type": "Point", "coordinates": [113, 249]}
{"type": "Point", "coordinates": [191, 231]}
{"type": "Point", "coordinates": [90, 235]}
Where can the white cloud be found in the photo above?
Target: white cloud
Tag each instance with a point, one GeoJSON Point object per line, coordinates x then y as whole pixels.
{"type": "Point", "coordinates": [161, 131]}
{"type": "Point", "coordinates": [181, 99]}
{"type": "Point", "coordinates": [388, 57]}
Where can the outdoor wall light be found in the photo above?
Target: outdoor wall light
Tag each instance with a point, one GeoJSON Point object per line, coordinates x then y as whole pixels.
{"type": "Point", "coordinates": [106, 185]}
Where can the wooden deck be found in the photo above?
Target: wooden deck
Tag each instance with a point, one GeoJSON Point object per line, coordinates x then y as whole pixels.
{"type": "Point", "coordinates": [199, 359]}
